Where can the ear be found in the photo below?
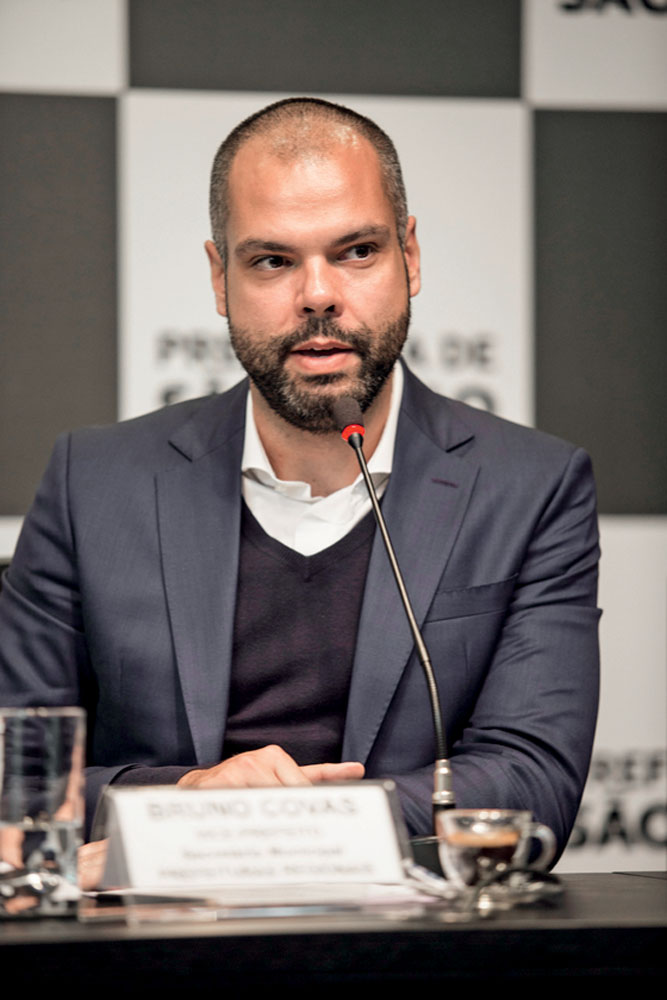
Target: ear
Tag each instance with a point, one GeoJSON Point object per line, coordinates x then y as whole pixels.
{"type": "Point", "coordinates": [412, 256]}
{"type": "Point", "coordinates": [217, 277]}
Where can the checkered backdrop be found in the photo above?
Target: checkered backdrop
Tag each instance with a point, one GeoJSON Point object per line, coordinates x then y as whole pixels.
{"type": "Point", "coordinates": [533, 138]}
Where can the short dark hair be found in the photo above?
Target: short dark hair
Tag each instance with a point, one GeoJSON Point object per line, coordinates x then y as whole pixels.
{"type": "Point", "coordinates": [292, 115]}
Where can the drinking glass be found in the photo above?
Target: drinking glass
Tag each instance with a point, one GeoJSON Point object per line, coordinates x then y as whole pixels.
{"type": "Point", "coordinates": [41, 809]}
{"type": "Point", "coordinates": [477, 845]}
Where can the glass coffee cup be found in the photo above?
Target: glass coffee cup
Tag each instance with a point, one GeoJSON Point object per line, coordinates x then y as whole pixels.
{"type": "Point", "coordinates": [477, 845]}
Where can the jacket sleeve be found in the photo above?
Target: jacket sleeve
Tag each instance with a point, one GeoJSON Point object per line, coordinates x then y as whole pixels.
{"type": "Point", "coordinates": [527, 741]}
{"type": "Point", "coordinates": [43, 653]}
{"type": "Point", "coordinates": [44, 658]}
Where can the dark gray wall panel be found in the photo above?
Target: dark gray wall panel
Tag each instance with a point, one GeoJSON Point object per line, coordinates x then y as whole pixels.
{"type": "Point", "coordinates": [461, 48]}
{"type": "Point", "coordinates": [57, 279]}
{"type": "Point", "coordinates": [601, 297]}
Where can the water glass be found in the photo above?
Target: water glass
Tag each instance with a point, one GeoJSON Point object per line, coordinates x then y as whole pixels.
{"type": "Point", "coordinates": [41, 809]}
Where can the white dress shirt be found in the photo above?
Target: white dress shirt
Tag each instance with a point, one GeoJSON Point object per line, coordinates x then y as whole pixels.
{"type": "Point", "coordinates": [289, 513]}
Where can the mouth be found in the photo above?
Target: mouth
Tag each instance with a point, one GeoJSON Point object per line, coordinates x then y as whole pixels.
{"type": "Point", "coordinates": [322, 355]}
{"type": "Point", "coordinates": [318, 348]}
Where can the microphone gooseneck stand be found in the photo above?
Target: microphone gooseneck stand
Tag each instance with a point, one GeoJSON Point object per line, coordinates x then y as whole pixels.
{"type": "Point", "coordinates": [349, 419]}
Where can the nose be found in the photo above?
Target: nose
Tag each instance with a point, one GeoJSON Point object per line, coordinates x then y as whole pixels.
{"type": "Point", "coordinates": [319, 293]}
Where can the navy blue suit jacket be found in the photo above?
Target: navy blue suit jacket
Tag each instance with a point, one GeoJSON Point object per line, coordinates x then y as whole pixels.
{"type": "Point", "coordinates": [121, 598]}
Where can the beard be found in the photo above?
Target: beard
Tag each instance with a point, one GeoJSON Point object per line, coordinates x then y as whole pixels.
{"type": "Point", "coordinates": [305, 401]}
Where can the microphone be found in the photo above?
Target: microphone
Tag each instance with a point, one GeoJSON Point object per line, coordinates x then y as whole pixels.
{"type": "Point", "coordinates": [350, 422]}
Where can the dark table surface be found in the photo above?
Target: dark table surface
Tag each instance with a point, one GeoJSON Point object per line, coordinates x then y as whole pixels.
{"type": "Point", "coordinates": [605, 925]}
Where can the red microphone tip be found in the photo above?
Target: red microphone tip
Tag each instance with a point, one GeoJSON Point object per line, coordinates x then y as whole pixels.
{"type": "Point", "coordinates": [352, 429]}
{"type": "Point", "coordinates": [348, 417]}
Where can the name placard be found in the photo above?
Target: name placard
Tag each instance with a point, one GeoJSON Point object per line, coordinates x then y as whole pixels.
{"type": "Point", "coordinates": [178, 838]}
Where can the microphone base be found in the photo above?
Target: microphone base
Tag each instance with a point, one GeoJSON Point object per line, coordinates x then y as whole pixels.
{"type": "Point", "coordinates": [443, 792]}
{"type": "Point", "coordinates": [425, 853]}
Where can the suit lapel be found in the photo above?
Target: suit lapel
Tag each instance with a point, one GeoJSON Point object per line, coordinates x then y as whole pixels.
{"type": "Point", "coordinates": [424, 506]}
{"type": "Point", "coordinates": [199, 514]}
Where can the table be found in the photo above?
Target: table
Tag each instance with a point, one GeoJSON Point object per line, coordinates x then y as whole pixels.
{"type": "Point", "coordinates": [607, 926]}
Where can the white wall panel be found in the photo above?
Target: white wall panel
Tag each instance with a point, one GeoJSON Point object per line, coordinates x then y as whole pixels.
{"type": "Point", "coordinates": [595, 54]}
{"type": "Point", "coordinates": [623, 821]}
{"type": "Point", "coordinates": [63, 46]}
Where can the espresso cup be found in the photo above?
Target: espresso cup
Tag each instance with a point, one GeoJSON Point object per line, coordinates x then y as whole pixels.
{"type": "Point", "coordinates": [474, 845]}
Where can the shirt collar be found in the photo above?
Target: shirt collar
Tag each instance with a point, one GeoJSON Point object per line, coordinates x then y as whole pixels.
{"type": "Point", "coordinates": [255, 463]}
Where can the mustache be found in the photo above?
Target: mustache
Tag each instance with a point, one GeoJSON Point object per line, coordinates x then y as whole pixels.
{"type": "Point", "coordinates": [322, 326]}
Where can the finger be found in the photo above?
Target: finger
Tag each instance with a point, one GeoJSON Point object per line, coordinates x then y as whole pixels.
{"type": "Point", "coordinates": [264, 768]}
{"type": "Point", "coordinates": [287, 770]}
{"type": "Point", "coordinates": [350, 770]}
{"type": "Point", "coordinates": [268, 767]}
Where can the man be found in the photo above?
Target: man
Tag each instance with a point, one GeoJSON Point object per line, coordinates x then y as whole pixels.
{"type": "Point", "coordinates": [206, 580]}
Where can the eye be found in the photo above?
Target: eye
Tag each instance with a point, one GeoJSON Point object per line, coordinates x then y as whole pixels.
{"type": "Point", "coordinates": [272, 262]}
{"type": "Point", "coordinates": [360, 251]}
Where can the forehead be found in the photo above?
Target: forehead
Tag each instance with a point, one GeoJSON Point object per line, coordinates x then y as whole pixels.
{"type": "Point", "coordinates": [339, 181]}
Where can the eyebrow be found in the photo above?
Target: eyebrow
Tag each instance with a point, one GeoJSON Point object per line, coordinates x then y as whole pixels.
{"type": "Point", "coordinates": [364, 234]}
{"type": "Point", "coordinates": [254, 245]}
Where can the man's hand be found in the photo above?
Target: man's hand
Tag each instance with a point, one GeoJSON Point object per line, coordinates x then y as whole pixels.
{"type": "Point", "coordinates": [11, 846]}
{"type": "Point", "coordinates": [266, 767]}
{"type": "Point", "coordinates": [254, 769]}
{"type": "Point", "coordinates": [91, 859]}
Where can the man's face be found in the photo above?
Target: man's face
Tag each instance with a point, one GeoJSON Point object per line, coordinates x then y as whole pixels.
{"type": "Point", "coordinates": [316, 288]}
